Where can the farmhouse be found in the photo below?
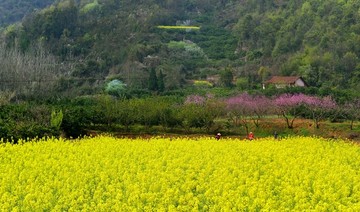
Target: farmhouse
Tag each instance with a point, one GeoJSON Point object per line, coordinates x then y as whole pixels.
{"type": "Point", "coordinates": [285, 81]}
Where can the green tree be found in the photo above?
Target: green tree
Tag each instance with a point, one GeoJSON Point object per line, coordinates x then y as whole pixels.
{"type": "Point", "coordinates": [153, 80]}
{"type": "Point", "coordinates": [116, 88]}
{"type": "Point", "coordinates": [349, 63]}
{"type": "Point", "coordinates": [263, 73]}
{"type": "Point", "coordinates": [226, 78]}
{"type": "Point", "coordinates": [161, 83]}
{"type": "Point", "coordinates": [56, 119]}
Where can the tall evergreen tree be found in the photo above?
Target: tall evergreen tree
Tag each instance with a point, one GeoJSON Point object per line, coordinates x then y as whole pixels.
{"type": "Point", "coordinates": [161, 84]}
{"type": "Point", "coordinates": [153, 81]}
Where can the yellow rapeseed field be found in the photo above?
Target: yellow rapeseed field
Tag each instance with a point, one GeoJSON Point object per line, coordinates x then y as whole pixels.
{"type": "Point", "coordinates": [179, 27]}
{"type": "Point", "coordinates": [180, 174]}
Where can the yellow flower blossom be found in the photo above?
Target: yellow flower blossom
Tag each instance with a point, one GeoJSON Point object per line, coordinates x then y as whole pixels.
{"type": "Point", "coordinates": [180, 174]}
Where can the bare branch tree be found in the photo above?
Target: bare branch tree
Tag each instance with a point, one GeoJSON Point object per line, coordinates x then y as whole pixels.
{"type": "Point", "coordinates": [31, 73]}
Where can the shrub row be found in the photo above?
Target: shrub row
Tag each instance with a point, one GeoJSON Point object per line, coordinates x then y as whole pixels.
{"type": "Point", "coordinates": [74, 117]}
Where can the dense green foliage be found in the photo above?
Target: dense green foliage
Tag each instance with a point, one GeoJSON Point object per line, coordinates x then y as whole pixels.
{"type": "Point", "coordinates": [253, 39]}
{"type": "Point", "coordinates": [11, 11]}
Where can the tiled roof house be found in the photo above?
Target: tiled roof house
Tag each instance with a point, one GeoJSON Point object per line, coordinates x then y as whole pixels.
{"type": "Point", "coordinates": [285, 81]}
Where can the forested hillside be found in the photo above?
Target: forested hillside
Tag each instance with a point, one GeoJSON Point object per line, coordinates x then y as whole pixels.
{"type": "Point", "coordinates": [14, 10]}
{"type": "Point", "coordinates": [96, 41]}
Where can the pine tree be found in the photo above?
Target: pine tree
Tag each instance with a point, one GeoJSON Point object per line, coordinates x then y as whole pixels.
{"type": "Point", "coordinates": [161, 84]}
{"type": "Point", "coordinates": [153, 81]}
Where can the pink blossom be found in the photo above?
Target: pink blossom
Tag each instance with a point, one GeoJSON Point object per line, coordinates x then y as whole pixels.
{"type": "Point", "coordinates": [195, 99]}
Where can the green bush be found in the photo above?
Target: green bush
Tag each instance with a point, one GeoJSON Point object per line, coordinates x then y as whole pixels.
{"type": "Point", "coordinates": [25, 121]}
{"type": "Point", "coordinates": [77, 118]}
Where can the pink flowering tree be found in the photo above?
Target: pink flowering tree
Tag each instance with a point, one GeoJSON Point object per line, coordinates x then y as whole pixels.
{"type": "Point", "coordinates": [244, 108]}
{"type": "Point", "coordinates": [351, 111]}
{"type": "Point", "coordinates": [195, 99]}
{"type": "Point", "coordinates": [319, 107]}
{"type": "Point", "coordinates": [238, 110]}
{"type": "Point", "coordinates": [261, 106]}
{"type": "Point", "coordinates": [290, 107]}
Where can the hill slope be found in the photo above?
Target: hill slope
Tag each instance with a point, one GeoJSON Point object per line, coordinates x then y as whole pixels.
{"type": "Point", "coordinates": [254, 39]}
{"type": "Point", "coordinates": [12, 11]}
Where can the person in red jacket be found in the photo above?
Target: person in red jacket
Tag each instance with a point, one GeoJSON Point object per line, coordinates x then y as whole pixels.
{"type": "Point", "coordinates": [251, 136]}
